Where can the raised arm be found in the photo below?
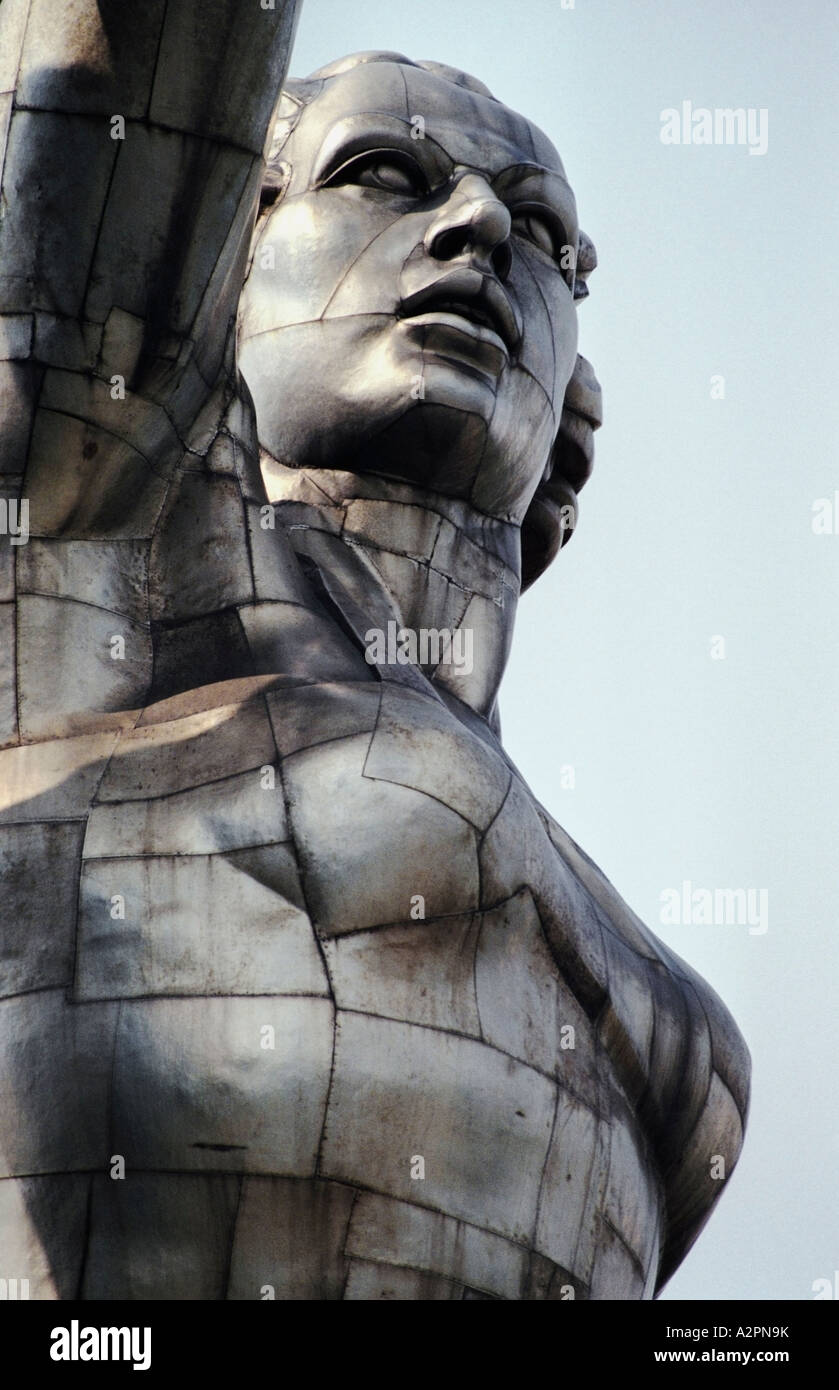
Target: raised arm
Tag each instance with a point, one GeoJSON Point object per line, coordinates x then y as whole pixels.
{"type": "Point", "coordinates": [131, 164]}
{"type": "Point", "coordinates": [134, 134]}
{"type": "Point", "coordinates": [132, 138]}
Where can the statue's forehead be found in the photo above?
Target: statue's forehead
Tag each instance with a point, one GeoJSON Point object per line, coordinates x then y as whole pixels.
{"type": "Point", "coordinates": [472, 128]}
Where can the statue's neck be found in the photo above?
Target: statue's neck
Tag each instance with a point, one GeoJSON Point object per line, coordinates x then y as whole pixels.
{"type": "Point", "coordinates": [420, 578]}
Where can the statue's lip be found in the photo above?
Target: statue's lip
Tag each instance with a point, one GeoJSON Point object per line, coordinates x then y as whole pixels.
{"type": "Point", "coordinates": [473, 296]}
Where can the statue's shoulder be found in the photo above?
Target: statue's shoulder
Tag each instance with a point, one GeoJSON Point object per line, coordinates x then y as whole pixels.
{"type": "Point", "coordinates": [682, 1059]}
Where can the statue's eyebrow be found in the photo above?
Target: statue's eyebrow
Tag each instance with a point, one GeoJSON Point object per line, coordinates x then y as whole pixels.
{"type": "Point", "coordinates": [372, 130]}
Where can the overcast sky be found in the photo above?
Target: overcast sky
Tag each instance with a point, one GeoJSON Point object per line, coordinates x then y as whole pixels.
{"type": "Point", "coordinates": [715, 764]}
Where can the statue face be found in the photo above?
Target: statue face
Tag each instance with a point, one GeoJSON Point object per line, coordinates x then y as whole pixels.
{"type": "Point", "coordinates": [407, 312]}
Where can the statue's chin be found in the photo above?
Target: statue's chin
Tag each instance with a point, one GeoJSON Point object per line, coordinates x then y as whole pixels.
{"type": "Point", "coordinates": [368, 400]}
{"type": "Point", "coordinates": [431, 447]}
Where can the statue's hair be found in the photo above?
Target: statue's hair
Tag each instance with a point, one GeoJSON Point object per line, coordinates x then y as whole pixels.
{"type": "Point", "coordinates": [552, 514]}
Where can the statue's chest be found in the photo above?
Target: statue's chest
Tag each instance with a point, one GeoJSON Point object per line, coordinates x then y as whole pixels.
{"type": "Point", "coordinates": [224, 850]}
{"type": "Point", "coordinates": [313, 941]}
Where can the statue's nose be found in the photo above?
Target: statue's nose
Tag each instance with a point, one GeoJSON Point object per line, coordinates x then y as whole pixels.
{"type": "Point", "coordinates": [472, 220]}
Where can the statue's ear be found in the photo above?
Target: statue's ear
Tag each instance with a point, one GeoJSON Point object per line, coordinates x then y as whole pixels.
{"type": "Point", "coordinates": [552, 515]}
{"type": "Point", "coordinates": [277, 173]}
{"type": "Point", "coordinates": [275, 181]}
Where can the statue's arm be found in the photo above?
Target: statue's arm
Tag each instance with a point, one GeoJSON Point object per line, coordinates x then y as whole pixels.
{"type": "Point", "coordinates": [131, 164]}
{"type": "Point", "coordinates": [705, 1128]}
{"type": "Point", "coordinates": [680, 1053]}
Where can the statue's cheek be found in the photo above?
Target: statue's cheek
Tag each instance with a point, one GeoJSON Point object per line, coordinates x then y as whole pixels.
{"type": "Point", "coordinates": [548, 344]}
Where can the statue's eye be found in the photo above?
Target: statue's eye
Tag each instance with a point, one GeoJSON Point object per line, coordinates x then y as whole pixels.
{"type": "Point", "coordinates": [388, 170]}
{"type": "Point", "coordinates": [537, 230]}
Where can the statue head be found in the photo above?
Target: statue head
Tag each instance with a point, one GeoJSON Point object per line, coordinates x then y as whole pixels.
{"type": "Point", "coordinates": [411, 305]}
